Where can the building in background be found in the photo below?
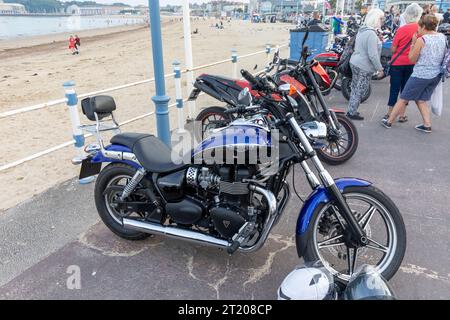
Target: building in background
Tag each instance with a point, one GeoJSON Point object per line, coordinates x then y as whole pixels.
{"type": "Point", "coordinates": [402, 4]}
{"type": "Point", "coordinates": [11, 8]}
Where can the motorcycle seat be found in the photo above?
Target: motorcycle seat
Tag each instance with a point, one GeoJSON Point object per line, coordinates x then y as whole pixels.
{"type": "Point", "coordinates": [151, 152]}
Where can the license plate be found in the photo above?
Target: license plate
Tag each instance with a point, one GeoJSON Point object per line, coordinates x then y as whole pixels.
{"type": "Point", "coordinates": [89, 169]}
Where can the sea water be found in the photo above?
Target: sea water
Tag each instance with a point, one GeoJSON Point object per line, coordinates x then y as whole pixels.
{"type": "Point", "coordinates": [25, 26]}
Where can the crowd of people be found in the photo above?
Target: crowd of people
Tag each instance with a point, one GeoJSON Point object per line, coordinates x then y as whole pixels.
{"type": "Point", "coordinates": [415, 68]}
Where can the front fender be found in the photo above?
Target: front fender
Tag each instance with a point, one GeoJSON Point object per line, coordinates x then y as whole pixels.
{"type": "Point", "coordinates": [313, 201]}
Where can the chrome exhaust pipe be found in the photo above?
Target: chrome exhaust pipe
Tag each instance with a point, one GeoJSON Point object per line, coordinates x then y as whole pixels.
{"type": "Point", "coordinates": [176, 233]}
{"type": "Point", "coordinates": [204, 239]}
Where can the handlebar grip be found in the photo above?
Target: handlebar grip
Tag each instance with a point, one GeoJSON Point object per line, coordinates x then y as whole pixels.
{"type": "Point", "coordinates": [231, 110]}
{"type": "Point", "coordinates": [239, 109]}
{"type": "Point", "coordinates": [249, 77]}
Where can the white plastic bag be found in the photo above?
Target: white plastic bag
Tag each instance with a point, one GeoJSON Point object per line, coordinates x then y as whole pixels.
{"type": "Point", "coordinates": [436, 100]}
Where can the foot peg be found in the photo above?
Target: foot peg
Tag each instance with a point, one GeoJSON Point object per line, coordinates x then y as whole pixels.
{"type": "Point", "coordinates": [240, 237]}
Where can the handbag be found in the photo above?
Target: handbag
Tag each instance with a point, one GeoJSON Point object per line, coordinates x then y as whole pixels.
{"type": "Point", "coordinates": [387, 67]}
{"type": "Point", "coordinates": [436, 100]}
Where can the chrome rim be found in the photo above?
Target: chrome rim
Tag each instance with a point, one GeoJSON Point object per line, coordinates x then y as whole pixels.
{"type": "Point", "coordinates": [118, 215]}
{"type": "Point", "coordinates": [375, 219]}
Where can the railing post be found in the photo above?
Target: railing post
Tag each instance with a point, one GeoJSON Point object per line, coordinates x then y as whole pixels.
{"type": "Point", "coordinates": [161, 100]}
{"type": "Point", "coordinates": [77, 133]}
{"type": "Point", "coordinates": [268, 49]}
{"type": "Point", "coordinates": [178, 95]}
{"type": "Point", "coordinates": [188, 56]}
{"type": "Point", "coordinates": [234, 58]}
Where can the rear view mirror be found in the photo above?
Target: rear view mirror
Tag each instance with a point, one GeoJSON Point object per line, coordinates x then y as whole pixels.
{"type": "Point", "coordinates": [276, 56]}
{"type": "Point", "coordinates": [245, 98]}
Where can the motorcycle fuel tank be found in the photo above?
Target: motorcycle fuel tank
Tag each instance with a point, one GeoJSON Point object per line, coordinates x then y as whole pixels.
{"type": "Point", "coordinates": [236, 139]}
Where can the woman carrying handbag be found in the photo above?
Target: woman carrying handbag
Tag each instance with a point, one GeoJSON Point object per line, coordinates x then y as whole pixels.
{"type": "Point", "coordinates": [428, 49]}
{"type": "Point", "coordinates": [400, 67]}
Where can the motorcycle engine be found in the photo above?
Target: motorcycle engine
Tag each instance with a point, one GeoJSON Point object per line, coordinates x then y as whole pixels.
{"type": "Point", "coordinates": [227, 220]}
{"type": "Point", "coordinates": [232, 207]}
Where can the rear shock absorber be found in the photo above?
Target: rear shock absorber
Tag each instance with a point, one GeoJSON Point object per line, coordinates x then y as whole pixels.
{"type": "Point", "coordinates": [129, 188]}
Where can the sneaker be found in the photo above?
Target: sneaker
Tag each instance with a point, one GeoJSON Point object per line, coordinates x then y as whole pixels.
{"type": "Point", "coordinates": [356, 116]}
{"type": "Point", "coordinates": [386, 124]}
{"type": "Point", "coordinates": [422, 128]}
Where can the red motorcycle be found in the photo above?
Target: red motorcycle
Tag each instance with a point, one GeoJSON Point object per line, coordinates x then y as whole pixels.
{"type": "Point", "coordinates": [308, 81]}
{"type": "Point", "coordinates": [329, 60]}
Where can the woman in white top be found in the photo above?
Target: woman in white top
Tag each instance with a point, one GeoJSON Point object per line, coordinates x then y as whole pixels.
{"type": "Point", "coordinates": [427, 51]}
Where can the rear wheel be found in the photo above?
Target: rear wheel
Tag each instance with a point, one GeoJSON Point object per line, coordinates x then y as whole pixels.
{"type": "Point", "coordinates": [380, 219]}
{"type": "Point", "coordinates": [210, 118]}
{"type": "Point", "coordinates": [346, 89]}
{"type": "Point", "coordinates": [342, 145]}
{"type": "Point", "coordinates": [108, 188]}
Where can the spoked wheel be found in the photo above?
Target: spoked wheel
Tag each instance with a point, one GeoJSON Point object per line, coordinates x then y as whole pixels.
{"type": "Point", "coordinates": [341, 145]}
{"type": "Point", "coordinates": [115, 187]}
{"type": "Point", "coordinates": [380, 219]}
{"type": "Point", "coordinates": [209, 119]}
{"type": "Point", "coordinates": [109, 186]}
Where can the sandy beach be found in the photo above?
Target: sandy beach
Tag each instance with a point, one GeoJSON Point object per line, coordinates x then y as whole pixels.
{"type": "Point", "coordinates": [33, 70]}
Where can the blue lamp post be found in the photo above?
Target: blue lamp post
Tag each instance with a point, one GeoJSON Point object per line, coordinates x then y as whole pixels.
{"type": "Point", "coordinates": [161, 100]}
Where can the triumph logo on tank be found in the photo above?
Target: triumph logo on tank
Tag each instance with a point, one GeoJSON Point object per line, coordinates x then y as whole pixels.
{"type": "Point", "coordinates": [241, 143]}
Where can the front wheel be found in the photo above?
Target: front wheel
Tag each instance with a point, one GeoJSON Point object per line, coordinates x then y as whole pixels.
{"type": "Point", "coordinates": [346, 89]}
{"type": "Point", "coordinates": [380, 219]}
{"type": "Point", "coordinates": [341, 145]}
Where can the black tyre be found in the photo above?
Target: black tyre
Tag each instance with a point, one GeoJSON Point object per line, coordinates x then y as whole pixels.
{"type": "Point", "coordinates": [210, 118]}
{"type": "Point", "coordinates": [115, 175]}
{"type": "Point", "coordinates": [377, 214]}
{"type": "Point", "coordinates": [341, 147]}
{"type": "Point", "coordinates": [346, 89]}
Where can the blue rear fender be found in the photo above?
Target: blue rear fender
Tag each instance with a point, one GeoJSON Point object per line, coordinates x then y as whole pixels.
{"type": "Point", "coordinates": [114, 147]}
{"type": "Point", "coordinates": [313, 201]}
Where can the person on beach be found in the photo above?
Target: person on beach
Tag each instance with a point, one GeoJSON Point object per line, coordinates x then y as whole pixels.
{"type": "Point", "coordinates": [427, 51]}
{"type": "Point", "coordinates": [402, 68]}
{"type": "Point", "coordinates": [77, 44]}
{"type": "Point", "coordinates": [72, 44]}
{"type": "Point", "coordinates": [365, 60]}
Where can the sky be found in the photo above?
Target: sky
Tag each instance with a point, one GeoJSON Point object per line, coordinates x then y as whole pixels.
{"type": "Point", "coordinates": [145, 2]}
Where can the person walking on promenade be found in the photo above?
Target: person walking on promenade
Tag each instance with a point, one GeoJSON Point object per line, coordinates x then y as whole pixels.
{"type": "Point", "coordinates": [72, 44]}
{"type": "Point", "coordinates": [401, 67]}
{"type": "Point", "coordinates": [365, 60]}
{"type": "Point", "coordinates": [427, 51]}
{"type": "Point", "coordinates": [77, 44]}
{"type": "Point", "coordinates": [446, 17]}
{"type": "Point", "coordinates": [336, 24]}
{"type": "Point", "coordinates": [315, 20]}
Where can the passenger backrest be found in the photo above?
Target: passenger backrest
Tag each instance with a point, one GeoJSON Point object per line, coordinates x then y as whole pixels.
{"type": "Point", "coordinates": [102, 105]}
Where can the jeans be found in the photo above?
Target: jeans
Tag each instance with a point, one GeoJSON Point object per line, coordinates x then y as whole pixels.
{"type": "Point", "coordinates": [399, 77]}
{"type": "Point", "coordinates": [360, 84]}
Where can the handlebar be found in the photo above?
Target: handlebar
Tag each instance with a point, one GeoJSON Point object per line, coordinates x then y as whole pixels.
{"type": "Point", "coordinates": [249, 77]}
{"type": "Point", "coordinates": [242, 109]}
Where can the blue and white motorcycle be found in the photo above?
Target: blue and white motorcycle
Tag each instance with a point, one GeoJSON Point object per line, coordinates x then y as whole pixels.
{"type": "Point", "coordinates": [227, 196]}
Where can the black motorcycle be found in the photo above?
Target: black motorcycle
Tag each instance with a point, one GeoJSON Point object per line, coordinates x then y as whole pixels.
{"type": "Point", "coordinates": [231, 190]}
